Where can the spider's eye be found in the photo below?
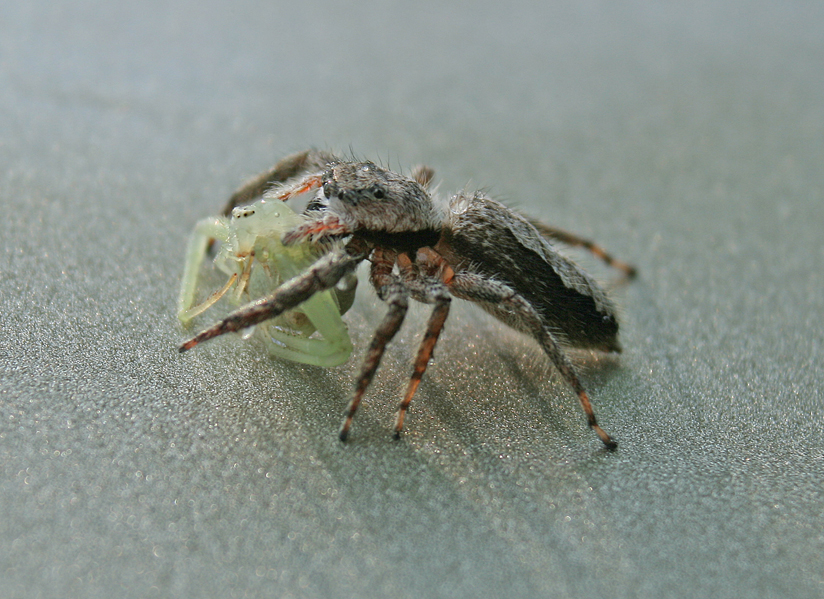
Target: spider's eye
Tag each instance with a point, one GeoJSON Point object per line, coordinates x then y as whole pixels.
{"type": "Point", "coordinates": [242, 212]}
{"type": "Point", "coordinates": [329, 189]}
{"type": "Point", "coordinates": [378, 193]}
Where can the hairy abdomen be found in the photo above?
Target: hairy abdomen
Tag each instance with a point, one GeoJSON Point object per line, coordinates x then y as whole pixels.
{"type": "Point", "coordinates": [486, 237]}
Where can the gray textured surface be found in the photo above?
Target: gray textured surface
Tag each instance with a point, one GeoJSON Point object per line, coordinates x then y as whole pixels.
{"type": "Point", "coordinates": [688, 138]}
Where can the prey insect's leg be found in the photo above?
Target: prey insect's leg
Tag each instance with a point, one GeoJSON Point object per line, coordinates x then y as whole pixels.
{"type": "Point", "coordinates": [391, 290]}
{"type": "Point", "coordinates": [323, 274]}
{"type": "Point", "coordinates": [574, 240]}
{"type": "Point", "coordinates": [477, 288]}
{"type": "Point", "coordinates": [292, 166]}
{"type": "Point", "coordinates": [209, 228]}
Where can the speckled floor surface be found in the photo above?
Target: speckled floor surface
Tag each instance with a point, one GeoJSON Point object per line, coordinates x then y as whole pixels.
{"type": "Point", "coordinates": [686, 138]}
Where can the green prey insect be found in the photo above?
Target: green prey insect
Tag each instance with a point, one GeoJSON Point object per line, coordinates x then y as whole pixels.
{"type": "Point", "coordinates": [257, 263]}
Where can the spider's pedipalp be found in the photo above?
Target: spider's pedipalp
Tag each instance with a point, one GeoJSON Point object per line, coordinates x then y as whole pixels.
{"type": "Point", "coordinates": [327, 227]}
{"type": "Point", "coordinates": [295, 165]}
{"type": "Point", "coordinates": [301, 186]}
{"type": "Point", "coordinates": [477, 288]}
{"type": "Point", "coordinates": [323, 274]}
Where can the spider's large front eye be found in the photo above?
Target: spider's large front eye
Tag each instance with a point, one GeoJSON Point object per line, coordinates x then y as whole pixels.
{"type": "Point", "coordinates": [330, 189]}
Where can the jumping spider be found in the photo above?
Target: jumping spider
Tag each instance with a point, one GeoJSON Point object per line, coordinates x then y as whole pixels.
{"type": "Point", "coordinates": [472, 248]}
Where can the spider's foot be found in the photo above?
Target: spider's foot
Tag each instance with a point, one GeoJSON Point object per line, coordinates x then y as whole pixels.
{"type": "Point", "coordinates": [188, 345]}
{"type": "Point", "coordinates": [608, 441]}
{"type": "Point", "coordinates": [343, 435]}
{"type": "Point", "coordinates": [205, 335]}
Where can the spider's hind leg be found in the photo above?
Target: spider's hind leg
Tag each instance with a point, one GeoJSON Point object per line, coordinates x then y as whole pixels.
{"type": "Point", "coordinates": [573, 240]}
{"type": "Point", "coordinates": [476, 288]}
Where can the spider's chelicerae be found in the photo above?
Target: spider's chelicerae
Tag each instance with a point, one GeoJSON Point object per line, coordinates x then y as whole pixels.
{"type": "Point", "coordinates": [471, 247]}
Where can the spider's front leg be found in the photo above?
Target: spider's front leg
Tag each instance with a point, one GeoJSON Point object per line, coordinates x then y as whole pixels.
{"type": "Point", "coordinates": [205, 230]}
{"type": "Point", "coordinates": [477, 288]}
{"type": "Point", "coordinates": [394, 292]}
{"type": "Point", "coordinates": [323, 274]}
{"type": "Point", "coordinates": [428, 289]}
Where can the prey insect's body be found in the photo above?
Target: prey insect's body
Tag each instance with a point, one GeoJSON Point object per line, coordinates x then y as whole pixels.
{"type": "Point", "coordinates": [257, 263]}
{"type": "Point", "coordinates": [471, 247]}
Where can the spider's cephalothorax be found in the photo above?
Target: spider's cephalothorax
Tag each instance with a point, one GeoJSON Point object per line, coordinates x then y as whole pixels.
{"type": "Point", "coordinates": [472, 248]}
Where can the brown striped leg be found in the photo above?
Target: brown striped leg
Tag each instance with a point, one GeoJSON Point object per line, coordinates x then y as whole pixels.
{"type": "Point", "coordinates": [476, 288]}
{"type": "Point", "coordinates": [392, 291]}
{"type": "Point", "coordinates": [323, 274]}
{"type": "Point", "coordinates": [574, 240]}
{"type": "Point", "coordinates": [430, 292]}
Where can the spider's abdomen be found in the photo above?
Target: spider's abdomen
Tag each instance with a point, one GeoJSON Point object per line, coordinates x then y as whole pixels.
{"type": "Point", "coordinates": [487, 237]}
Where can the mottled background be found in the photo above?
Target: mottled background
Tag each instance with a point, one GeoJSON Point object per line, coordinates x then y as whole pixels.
{"type": "Point", "coordinates": [687, 137]}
